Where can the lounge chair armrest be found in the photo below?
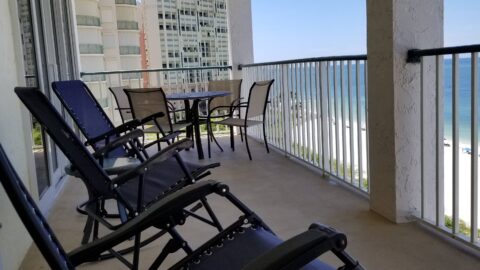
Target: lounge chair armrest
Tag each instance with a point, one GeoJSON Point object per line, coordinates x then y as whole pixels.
{"type": "Point", "coordinates": [160, 156]}
{"type": "Point", "coordinates": [201, 170]}
{"type": "Point", "coordinates": [128, 126]}
{"type": "Point", "coordinates": [137, 133]}
{"type": "Point", "coordinates": [122, 109]}
{"type": "Point", "coordinates": [151, 117]}
{"type": "Point", "coordinates": [158, 213]}
{"type": "Point", "coordinates": [166, 138]}
{"type": "Point", "coordinates": [300, 250]}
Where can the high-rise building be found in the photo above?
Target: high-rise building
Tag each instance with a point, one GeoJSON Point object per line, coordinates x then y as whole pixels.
{"type": "Point", "coordinates": [194, 33]}
{"type": "Point", "coordinates": [148, 34]}
{"type": "Point", "coordinates": [108, 36]}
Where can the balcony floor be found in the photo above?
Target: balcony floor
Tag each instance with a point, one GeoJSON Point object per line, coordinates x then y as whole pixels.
{"type": "Point", "coordinates": [289, 198]}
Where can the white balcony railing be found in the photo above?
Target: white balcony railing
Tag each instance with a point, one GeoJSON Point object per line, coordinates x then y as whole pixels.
{"type": "Point", "coordinates": [317, 113]}
{"type": "Point", "coordinates": [449, 140]}
{"type": "Point", "coordinates": [169, 79]}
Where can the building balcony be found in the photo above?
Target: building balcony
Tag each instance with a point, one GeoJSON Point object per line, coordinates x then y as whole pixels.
{"type": "Point", "coordinates": [91, 48]}
{"type": "Point", "coordinates": [84, 20]}
{"type": "Point", "coordinates": [288, 196]}
{"type": "Point", "coordinates": [127, 25]}
{"type": "Point", "coordinates": [379, 147]}
{"type": "Point", "coordinates": [129, 50]}
{"type": "Point", "coordinates": [126, 2]}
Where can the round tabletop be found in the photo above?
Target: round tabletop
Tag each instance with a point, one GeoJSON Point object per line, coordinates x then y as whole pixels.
{"type": "Point", "coordinates": [196, 95]}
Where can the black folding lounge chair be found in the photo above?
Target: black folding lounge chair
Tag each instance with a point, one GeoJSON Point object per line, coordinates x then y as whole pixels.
{"type": "Point", "coordinates": [114, 153]}
{"type": "Point", "coordinates": [100, 131]}
{"type": "Point", "coordinates": [134, 190]}
{"type": "Point", "coordinates": [246, 244]}
{"type": "Point", "coordinates": [94, 123]}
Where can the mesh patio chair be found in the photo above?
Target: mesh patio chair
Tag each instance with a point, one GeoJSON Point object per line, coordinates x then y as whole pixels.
{"type": "Point", "coordinates": [219, 107]}
{"type": "Point", "coordinates": [133, 190]}
{"type": "Point", "coordinates": [123, 106]}
{"type": "Point", "coordinates": [246, 244]}
{"type": "Point", "coordinates": [255, 107]}
{"type": "Point", "coordinates": [148, 101]}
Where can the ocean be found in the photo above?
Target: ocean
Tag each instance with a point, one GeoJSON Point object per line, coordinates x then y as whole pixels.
{"type": "Point", "coordinates": [464, 83]}
{"type": "Point", "coordinates": [464, 101]}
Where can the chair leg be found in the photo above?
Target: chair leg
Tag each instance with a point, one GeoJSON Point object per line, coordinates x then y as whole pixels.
{"type": "Point", "coordinates": [215, 139]}
{"type": "Point", "coordinates": [208, 140]}
{"type": "Point", "coordinates": [246, 143]}
{"type": "Point", "coordinates": [87, 230]}
{"type": "Point", "coordinates": [158, 142]}
{"type": "Point", "coordinates": [265, 137]}
{"type": "Point", "coordinates": [232, 141]}
{"type": "Point", "coordinates": [241, 134]}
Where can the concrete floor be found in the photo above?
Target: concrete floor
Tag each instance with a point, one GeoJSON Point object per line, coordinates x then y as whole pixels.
{"type": "Point", "coordinates": [289, 198]}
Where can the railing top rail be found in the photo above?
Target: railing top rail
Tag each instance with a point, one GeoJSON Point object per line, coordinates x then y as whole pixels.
{"type": "Point", "coordinates": [415, 54]}
{"type": "Point", "coordinates": [304, 60]}
{"type": "Point", "coordinates": [153, 70]}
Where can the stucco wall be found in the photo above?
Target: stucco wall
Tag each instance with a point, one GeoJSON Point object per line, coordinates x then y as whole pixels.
{"type": "Point", "coordinates": [14, 239]}
{"type": "Point", "coordinates": [394, 27]}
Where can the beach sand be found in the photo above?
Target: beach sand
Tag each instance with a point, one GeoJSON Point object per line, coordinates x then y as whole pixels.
{"type": "Point", "coordinates": [464, 166]}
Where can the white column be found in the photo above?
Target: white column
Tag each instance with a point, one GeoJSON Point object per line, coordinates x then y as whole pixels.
{"type": "Point", "coordinates": [241, 37]}
{"type": "Point", "coordinates": [394, 27]}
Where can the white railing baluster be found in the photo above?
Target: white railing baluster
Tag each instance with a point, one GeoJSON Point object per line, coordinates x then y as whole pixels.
{"type": "Point", "coordinates": [439, 161]}
{"type": "Point", "coordinates": [367, 160]}
{"type": "Point", "coordinates": [324, 109]}
{"type": "Point", "coordinates": [319, 116]}
{"type": "Point", "coordinates": [342, 115]}
{"type": "Point", "coordinates": [350, 121]}
{"type": "Point", "coordinates": [474, 147]}
{"type": "Point", "coordinates": [359, 124]}
{"type": "Point", "coordinates": [455, 172]}
{"type": "Point", "coordinates": [330, 117]}
{"type": "Point", "coordinates": [337, 121]}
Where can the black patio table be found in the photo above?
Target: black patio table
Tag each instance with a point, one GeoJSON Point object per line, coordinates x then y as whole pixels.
{"type": "Point", "coordinates": [192, 112]}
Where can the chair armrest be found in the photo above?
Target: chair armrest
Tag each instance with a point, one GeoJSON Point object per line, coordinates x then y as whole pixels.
{"type": "Point", "coordinates": [166, 138]}
{"type": "Point", "coordinates": [137, 133]}
{"type": "Point", "coordinates": [158, 213]}
{"type": "Point", "coordinates": [201, 170]}
{"type": "Point", "coordinates": [302, 249]}
{"type": "Point", "coordinates": [160, 156]}
{"type": "Point", "coordinates": [128, 126]}
{"type": "Point", "coordinates": [229, 108]}
{"type": "Point", "coordinates": [151, 117]}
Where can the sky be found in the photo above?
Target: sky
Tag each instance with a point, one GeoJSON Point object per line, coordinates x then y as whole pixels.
{"type": "Point", "coordinates": [312, 28]}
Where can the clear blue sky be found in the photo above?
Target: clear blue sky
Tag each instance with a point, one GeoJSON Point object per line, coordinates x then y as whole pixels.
{"type": "Point", "coordinates": [287, 29]}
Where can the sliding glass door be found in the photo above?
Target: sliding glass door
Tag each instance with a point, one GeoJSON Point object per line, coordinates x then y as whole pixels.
{"type": "Point", "coordinates": [48, 56]}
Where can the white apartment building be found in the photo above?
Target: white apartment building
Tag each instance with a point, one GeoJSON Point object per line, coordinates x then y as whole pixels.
{"type": "Point", "coordinates": [108, 35]}
{"type": "Point", "coordinates": [193, 34]}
